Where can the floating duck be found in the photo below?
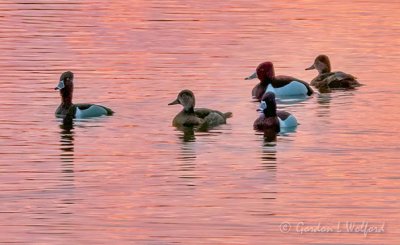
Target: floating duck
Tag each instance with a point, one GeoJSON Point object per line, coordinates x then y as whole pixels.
{"type": "Point", "coordinates": [327, 79]}
{"type": "Point", "coordinates": [69, 110]}
{"type": "Point", "coordinates": [281, 86]}
{"type": "Point", "coordinates": [271, 119]}
{"type": "Point", "coordinates": [190, 116]}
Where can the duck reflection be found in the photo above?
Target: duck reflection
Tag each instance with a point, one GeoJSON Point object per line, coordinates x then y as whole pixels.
{"type": "Point", "coordinates": [324, 99]}
{"type": "Point", "coordinates": [269, 136]}
{"type": "Point", "coordinates": [269, 169]}
{"type": "Point", "coordinates": [186, 159]}
{"type": "Point", "coordinates": [67, 170]}
{"type": "Point", "coordinates": [67, 147]}
{"type": "Point", "coordinates": [188, 134]}
{"type": "Point", "coordinates": [187, 138]}
{"type": "Point", "coordinates": [268, 156]}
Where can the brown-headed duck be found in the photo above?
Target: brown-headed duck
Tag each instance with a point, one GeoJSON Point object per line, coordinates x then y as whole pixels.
{"type": "Point", "coordinates": [67, 109]}
{"type": "Point", "coordinates": [202, 117]}
{"type": "Point", "coordinates": [327, 79]}
{"type": "Point", "coordinates": [281, 86]}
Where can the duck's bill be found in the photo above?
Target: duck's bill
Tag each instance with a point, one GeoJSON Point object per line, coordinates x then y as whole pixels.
{"type": "Point", "coordinates": [175, 102]}
{"type": "Point", "coordinates": [60, 86]}
{"type": "Point", "coordinates": [252, 76]}
{"type": "Point", "coordinates": [262, 106]}
{"type": "Point", "coordinates": [311, 68]}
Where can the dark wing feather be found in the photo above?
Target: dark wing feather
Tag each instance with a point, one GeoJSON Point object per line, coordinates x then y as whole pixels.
{"type": "Point", "coordinates": [283, 115]}
{"type": "Point", "coordinates": [202, 112]}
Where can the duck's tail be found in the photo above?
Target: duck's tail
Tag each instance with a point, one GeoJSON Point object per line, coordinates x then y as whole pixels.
{"type": "Point", "coordinates": [109, 111]}
{"type": "Point", "coordinates": [228, 114]}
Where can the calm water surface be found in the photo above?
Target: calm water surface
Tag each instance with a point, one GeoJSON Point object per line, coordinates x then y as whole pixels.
{"type": "Point", "coordinates": [134, 179]}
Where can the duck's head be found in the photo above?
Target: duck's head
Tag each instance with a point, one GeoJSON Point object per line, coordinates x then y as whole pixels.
{"type": "Point", "coordinates": [321, 64]}
{"type": "Point", "coordinates": [66, 81]}
{"type": "Point", "coordinates": [186, 99]}
{"type": "Point", "coordinates": [264, 71]}
{"type": "Point", "coordinates": [268, 104]}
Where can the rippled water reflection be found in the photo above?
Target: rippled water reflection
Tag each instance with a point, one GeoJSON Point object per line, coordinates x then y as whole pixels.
{"type": "Point", "coordinates": [134, 179]}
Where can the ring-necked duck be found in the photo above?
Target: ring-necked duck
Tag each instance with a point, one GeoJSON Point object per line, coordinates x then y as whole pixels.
{"type": "Point", "coordinates": [68, 109]}
{"type": "Point", "coordinates": [271, 119]}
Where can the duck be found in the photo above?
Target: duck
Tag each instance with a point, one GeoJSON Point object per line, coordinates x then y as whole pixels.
{"type": "Point", "coordinates": [281, 86]}
{"type": "Point", "coordinates": [202, 118]}
{"type": "Point", "coordinates": [271, 119]}
{"type": "Point", "coordinates": [327, 79]}
{"type": "Point", "coordinates": [69, 110]}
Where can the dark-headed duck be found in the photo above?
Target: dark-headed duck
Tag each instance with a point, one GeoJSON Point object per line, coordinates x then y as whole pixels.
{"type": "Point", "coordinates": [327, 79]}
{"type": "Point", "coordinates": [281, 86]}
{"type": "Point", "coordinates": [71, 110]}
{"type": "Point", "coordinates": [190, 116]}
{"type": "Point", "coordinates": [271, 119]}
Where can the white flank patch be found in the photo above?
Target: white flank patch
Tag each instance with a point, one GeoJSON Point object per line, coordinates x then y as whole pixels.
{"type": "Point", "coordinates": [78, 113]}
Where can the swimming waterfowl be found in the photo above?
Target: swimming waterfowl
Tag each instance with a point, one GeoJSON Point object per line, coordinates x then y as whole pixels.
{"type": "Point", "coordinates": [190, 116]}
{"type": "Point", "coordinates": [68, 110]}
{"type": "Point", "coordinates": [281, 86]}
{"type": "Point", "coordinates": [327, 79]}
{"type": "Point", "coordinates": [271, 119]}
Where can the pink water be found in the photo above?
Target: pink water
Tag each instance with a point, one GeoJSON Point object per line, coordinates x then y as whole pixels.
{"type": "Point", "coordinates": [133, 179]}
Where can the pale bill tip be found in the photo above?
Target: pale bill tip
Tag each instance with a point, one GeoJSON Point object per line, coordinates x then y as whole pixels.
{"type": "Point", "coordinates": [60, 85]}
{"type": "Point", "coordinates": [252, 76]}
